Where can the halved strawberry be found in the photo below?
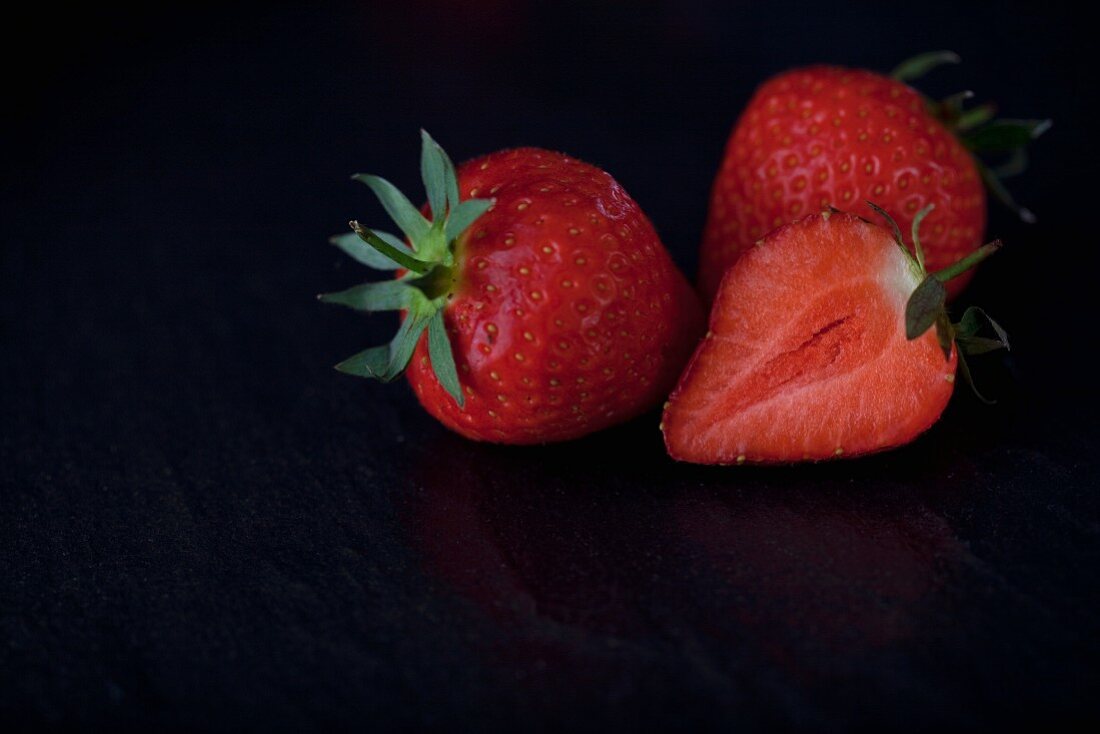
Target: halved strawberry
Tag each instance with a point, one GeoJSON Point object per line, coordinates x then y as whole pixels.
{"type": "Point", "coordinates": [827, 339]}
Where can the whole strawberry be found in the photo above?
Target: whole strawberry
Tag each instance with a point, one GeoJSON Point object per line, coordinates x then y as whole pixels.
{"type": "Point", "coordinates": [827, 136]}
{"type": "Point", "coordinates": [539, 304]}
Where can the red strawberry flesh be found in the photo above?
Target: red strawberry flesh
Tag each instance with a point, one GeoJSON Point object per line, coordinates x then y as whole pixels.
{"type": "Point", "coordinates": [807, 357]}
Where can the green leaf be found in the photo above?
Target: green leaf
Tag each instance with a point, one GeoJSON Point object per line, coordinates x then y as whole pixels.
{"type": "Point", "coordinates": [368, 363]}
{"type": "Point", "coordinates": [387, 363]}
{"type": "Point", "coordinates": [921, 64]}
{"type": "Point", "coordinates": [398, 256]}
{"type": "Point", "coordinates": [431, 170]}
{"type": "Point", "coordinates": [404, 342]}
{"type": "Point", "coordinates": [450, 180]}
{"type": "Point", "coordinates": [1002, 136]}
{"type": "Point", "coordinates": [1001, 194]}
{"type": "Point", "coordinates": [354, 246]}
{"type": "Point", "coordinates": [400, 209]}
{"type": "Point", "coordinates": [917, 219]}
{"type": "Point", "coordinates": [385, 295]}
{"type": "Point", "coordinates": [973, 345]}
{"type": "Point", "coordinates": [945, 334]}
{"type": "Point", "coordinates": [969, 326]}
{"type": "Point", "coordinates": [952, 105]}
{"type": "Point", "coordinates": [924, 306]}
{"type": "Point", "coordinates": [893, 225]}
{"type": "Point", "coordinates": [464, 215]}
{"type": "Point", "coordinates": [1014, 166]}
{"type": "Point", "coordinates": [972, 118]}
{"type": "Point", "coordinates": [964, 368]}
{"type": "Point", "coordinates": [443, 361]}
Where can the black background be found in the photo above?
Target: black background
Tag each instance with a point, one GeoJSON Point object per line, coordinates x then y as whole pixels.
{"type": "Point", "coordinates": [204, 526]}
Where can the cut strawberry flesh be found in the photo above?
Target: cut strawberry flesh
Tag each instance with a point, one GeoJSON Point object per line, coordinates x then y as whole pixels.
{"type": "Point", "coordinates": [806, 357]}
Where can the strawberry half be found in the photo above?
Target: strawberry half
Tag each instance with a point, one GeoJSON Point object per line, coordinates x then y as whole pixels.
{"type": "Point", "coordinates": [826, 136]}
{"type": "Point", "coordinates": [827, 339]}
{"type": "Point", "coordinates": [545, 313]}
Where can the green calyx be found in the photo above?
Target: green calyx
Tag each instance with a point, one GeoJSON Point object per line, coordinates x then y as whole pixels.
{"type": "Point", "coordinates": [423, 290]}
{"type": "Point", "coordinates": [979, 131]}
{"type": "Point", "coordinates": [927, 304]}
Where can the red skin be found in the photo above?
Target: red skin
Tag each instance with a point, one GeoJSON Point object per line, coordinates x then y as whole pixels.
{"type": "Point", "coordinates": [827, 136]}
{"type": "Point", "coordinates": [568, 314]}
{"type": "Point", "coordinates": [806, 357]}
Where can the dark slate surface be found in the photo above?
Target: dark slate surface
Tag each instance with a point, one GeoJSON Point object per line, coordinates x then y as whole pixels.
{"type": "Point", "coordinates": [205, 527]}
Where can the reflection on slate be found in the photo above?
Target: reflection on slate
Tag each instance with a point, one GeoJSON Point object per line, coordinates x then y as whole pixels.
{"type": "Point", "coordinates": [825, 587]}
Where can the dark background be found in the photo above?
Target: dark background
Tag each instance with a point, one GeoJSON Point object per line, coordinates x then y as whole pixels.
{"type": "Point", "coordinates": [204, 526]}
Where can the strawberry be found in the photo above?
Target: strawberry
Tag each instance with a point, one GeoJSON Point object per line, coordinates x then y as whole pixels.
{"type": "Point", "coordinates": [828, 339]}
{"type": "Point", "coordinates": [544, 313]}
{"type": "Point", "coordinates": [827, 136]}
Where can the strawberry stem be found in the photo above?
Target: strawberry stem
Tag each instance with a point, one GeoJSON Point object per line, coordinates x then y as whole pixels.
{"type": "Point", "coordinates": [428, 259]}
{"type": "Point", "coordinates": [976, 127]}
{"type": "Point", "coordinates": [967, 262]}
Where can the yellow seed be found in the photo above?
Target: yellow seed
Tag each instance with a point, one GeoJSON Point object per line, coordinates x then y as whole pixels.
{"type": "Point", "coordinates": [741, 459]}
{"type": "Point", "coordinates": [839, 450]}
